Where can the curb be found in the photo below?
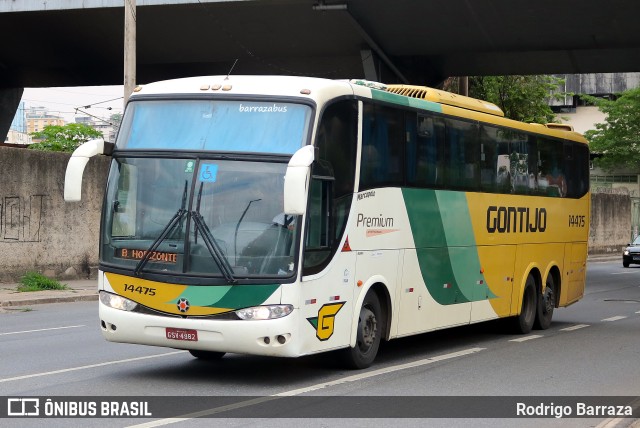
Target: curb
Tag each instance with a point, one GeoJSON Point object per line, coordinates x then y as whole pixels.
{"type": "Point", "coordinates": [38, 301]}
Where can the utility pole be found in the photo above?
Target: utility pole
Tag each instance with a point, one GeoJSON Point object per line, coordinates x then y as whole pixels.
{"type": "Point", "coordinates": [463, 85]}
{"type": "Point", "coordinates": [129, 48]}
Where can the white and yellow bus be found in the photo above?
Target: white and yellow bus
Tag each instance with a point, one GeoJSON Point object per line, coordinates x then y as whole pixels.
{"type": "Point", "coordinates": [288, 216]}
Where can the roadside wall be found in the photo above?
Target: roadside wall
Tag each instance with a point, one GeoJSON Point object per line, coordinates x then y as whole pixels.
{"type": "Point", "coordinates": [38, 230]}
{"type": "Point", "coordinates": [610, 221]}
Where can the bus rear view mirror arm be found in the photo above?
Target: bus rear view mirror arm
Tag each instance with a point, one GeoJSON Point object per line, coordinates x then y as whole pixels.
{"type": "Point", "coordinates": [77, 163]}
{"type": "Point", "coordinates": [296, 181]}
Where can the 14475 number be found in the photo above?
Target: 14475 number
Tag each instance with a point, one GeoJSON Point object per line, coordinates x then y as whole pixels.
{"type": "Point", "coordinates": [576, 221]}
{"type": "Point", "coordinates": [141, 290]}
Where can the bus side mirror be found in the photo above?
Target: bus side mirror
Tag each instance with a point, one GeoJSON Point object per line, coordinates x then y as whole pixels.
{"type": "Point", "coordinates": [77, 163]}
{"type": "Point", "coordinates": [296, 181]}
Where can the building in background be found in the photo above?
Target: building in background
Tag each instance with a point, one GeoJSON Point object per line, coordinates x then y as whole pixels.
{"type": "Point", "coordinates": [105, 127]}
{"type": "Point", "coordinates": [39, 117]}
{"type": "Point", "coordinates": [575, 112]}
{"type": "Point", "coordinates": [17, 134]}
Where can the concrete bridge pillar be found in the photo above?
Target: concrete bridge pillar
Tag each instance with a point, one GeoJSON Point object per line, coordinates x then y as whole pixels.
{"type": "Point", "coordinates": [9, 101]}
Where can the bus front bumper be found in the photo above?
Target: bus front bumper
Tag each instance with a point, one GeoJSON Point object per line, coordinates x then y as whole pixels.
{"type": "Point", "coordinates": [276, 337]}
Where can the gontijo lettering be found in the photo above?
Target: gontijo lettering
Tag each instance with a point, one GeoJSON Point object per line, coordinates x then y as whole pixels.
{"type": "Point", "coordinates": [516, 219]}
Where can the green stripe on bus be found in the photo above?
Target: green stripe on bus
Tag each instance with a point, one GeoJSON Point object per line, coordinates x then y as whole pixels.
{"type": "Point", "coordinates": [405, 101]}
{"type": "Point", "coordinates": [445, 246]}
{"type": "Point", "coordinates": [244, 296]}
{"type": "Point", "coordinates": [232, 297]}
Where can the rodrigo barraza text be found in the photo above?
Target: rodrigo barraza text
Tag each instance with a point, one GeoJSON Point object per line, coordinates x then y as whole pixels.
{"type": "Point", "coordinates": [576, 410]}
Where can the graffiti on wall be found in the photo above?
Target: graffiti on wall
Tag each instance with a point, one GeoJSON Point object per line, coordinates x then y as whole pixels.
{"type": "Point", "coordinates": [21, 218]}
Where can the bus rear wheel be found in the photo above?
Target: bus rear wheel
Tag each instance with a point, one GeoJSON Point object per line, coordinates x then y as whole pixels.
{"type": "Point", "coordinates": [523, 323]}
{"type": "Point", "coordinates": [206, 355]}
{"type": "Point", "coordinates": [369, 334]}
{"type": "Point", "coordinates": [546, 304]}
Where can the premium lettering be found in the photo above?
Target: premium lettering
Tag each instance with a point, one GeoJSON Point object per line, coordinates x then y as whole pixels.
{"type": "Point", "coordinates": [374, 221]}
{"type": "Point", "coordinates": [516, 219]}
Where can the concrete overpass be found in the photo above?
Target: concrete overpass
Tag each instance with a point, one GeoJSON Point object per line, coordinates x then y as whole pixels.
{"type": "Point", "coordinates": [80, 42]}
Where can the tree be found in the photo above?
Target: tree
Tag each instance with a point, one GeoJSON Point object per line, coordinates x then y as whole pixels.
{"type": "Point", "coordinates": [56, 138]}
{"type": "Point", "coordinates": [522, 98]}
{"type": "Point", "coordinates": [618, 138]}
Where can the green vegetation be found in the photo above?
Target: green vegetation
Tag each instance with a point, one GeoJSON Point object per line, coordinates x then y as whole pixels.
{"type": "Point", "coordinates": [34, 281]}
{"type": "Point", "coordinates": [56, 138]}
{"type": "Point", "coordinates": [618, 138]}
{"type": "Point", "coordinates": [523, 98]}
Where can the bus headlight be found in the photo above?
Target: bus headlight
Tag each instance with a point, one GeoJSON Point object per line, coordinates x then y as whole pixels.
{"type": "Point", "coordinates": [626, 252]}
{"type": "Point", "coordinates": [117, 302]}
{"type": "Point", "coordinates": [264, 312]}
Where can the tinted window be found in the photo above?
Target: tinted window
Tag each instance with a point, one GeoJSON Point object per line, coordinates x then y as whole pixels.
{"type": "Point", "coordinates": [332, 183]}
{"type": "Point", "coordinates": [461, 143]}
{"type": "Point", "coordinates": [425, 150]}
{"type": "Point", "coordinates": [383, 139]}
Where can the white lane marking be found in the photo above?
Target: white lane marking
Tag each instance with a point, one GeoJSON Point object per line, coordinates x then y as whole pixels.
{"type": "Point", "coordinates": [619, 317]}
{"type": "Point", "coordinates": [624, 273]}
{"type": "Point", "coordinates": [638, 312]}
{"type": "Point", "coordinates": [575, 327]}
{"type": "Point", "coordinates": [41, 329]}
{"type": "Point", "coordinates": [215, 410]}
{"type": "Point", "coordinates": [524, 339]}
{"type": "Point", "coordinates": [90, 366]}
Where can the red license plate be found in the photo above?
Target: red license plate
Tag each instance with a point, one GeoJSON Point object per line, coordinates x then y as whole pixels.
{"type": "Point", "coordinates": [182, 334]}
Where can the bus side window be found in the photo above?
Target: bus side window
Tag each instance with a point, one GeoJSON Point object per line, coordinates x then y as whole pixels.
{"type": "Point", "coordinates": [425, 142]}
{"type": "Point", "coordinates": [581, 169]}
{"type": "Point", "coordinates": [462, 154]}
{"type": "Point", "coordinates": [489, 171]}
{"type": "Point", "coordinates": [551, 178]}
{"type": "Point", "coordinates": [332, 184]}
{"type": "Point", "coordinates": [383, 141]}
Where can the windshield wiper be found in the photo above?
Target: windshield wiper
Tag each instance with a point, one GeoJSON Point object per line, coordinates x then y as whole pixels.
{"type": "Point", "coordinates": [175, 220]}
{"type": "Point", "coordinates": [235, 235]}
{"type": "Point", "coordinates": [211, 243]}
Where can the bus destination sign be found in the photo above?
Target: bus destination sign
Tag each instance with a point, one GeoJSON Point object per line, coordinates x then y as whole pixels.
{"type": "Point", "coordinates": [155, 256]}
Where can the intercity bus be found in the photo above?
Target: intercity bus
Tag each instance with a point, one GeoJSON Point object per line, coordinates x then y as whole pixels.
{"type": "Point", "coordinates": [288, 216]}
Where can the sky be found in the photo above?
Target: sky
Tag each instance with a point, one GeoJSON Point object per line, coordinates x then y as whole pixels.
{"type": "Point", "coordinates": [103, 101]}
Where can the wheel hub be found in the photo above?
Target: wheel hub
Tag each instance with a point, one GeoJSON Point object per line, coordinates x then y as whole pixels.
{"type": "Point", "coordinates": [368, 328]}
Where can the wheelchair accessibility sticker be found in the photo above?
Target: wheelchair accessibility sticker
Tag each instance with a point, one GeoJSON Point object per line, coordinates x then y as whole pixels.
{"type": "Point", "coordinates": [208, 172]}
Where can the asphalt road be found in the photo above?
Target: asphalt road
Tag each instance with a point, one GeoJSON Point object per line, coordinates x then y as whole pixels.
{"type": "Point", "coordinates": [591, 349]}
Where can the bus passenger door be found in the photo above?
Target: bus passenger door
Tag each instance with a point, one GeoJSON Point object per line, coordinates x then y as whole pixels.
{"type": "Point", "coordinates": [327, 305]}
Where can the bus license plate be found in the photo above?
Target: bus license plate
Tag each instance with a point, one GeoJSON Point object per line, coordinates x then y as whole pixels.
{"type": "Point", "coordinates": [182, 334]}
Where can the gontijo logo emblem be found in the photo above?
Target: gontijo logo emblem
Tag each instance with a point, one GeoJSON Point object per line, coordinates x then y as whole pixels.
{"type": "Point", "coordinates": [325, 321]}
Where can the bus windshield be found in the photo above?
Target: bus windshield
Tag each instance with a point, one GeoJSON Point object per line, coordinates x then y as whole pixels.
{"type": "Point", "coordinates": [231, 126]}
{"type": "Point", "coordinates": [198, 217]}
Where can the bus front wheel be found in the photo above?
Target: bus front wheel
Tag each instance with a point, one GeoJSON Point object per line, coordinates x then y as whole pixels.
{"type": "Point", "coordinates": [546, 304]}
{"type": "Point", "coordinates": [369, 334]}
{"type": "Point", "coordinates": [523, 323]}
{"type": "Point", "coordinates": [206, 355]}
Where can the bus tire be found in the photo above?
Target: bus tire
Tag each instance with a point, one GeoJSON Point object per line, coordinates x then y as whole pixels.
{"type": "Point", "coordinates": [369, 334]}
{"type": "Point", "coordinates": [523, 323]}
{"type": "Point", "coordinates": [546, 304]}
{"type": "Point", "coordinates": [206, 355]}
